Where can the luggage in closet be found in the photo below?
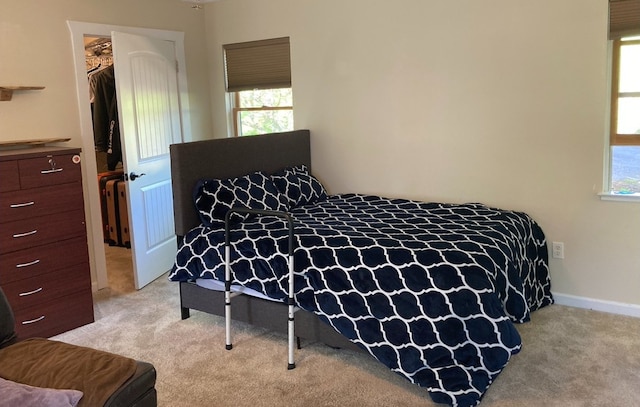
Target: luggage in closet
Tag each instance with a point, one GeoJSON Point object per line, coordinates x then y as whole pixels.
{"type": "Point", "coordinates": [103, 177]}
{"type": "Point", "coordinates": [118, 218]}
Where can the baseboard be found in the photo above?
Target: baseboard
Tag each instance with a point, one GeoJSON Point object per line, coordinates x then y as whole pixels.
{"type": "Point", "coordinates": [612, 307]}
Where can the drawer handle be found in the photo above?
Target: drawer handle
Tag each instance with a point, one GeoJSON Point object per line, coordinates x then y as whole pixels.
{"type": "Point", "coordinates": [31, 263]}
{"type": "Point", "coordinates": [37, 290]}
{"type": "Point", "coordinates": [21, 205]}
{"type": "Point", "coordinates": [51, 171]}
{"type": "Point", "coordinates": [33, 232]}
{"type": "Point", "coordinates": [31, 321]}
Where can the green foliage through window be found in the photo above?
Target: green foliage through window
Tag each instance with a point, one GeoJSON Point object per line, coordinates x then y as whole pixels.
{"type": "Point", "coordinates": [263, 111]}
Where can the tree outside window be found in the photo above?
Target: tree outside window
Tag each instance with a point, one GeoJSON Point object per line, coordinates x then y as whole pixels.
{"type": "Point", "coordinates": [263, 111]}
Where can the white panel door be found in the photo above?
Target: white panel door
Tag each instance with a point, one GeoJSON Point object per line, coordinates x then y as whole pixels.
{"type": "Point", "coordinates": [149, 114]}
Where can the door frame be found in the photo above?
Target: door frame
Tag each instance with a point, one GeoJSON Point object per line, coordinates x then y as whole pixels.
{"type": "Point", "coordinates": [93, 213]}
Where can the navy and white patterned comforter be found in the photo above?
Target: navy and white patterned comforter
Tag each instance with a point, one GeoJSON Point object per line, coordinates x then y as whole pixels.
{"type": "Point", "coordinates": [429, 289]}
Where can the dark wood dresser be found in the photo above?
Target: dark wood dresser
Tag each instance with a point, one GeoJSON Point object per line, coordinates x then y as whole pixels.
{"type": "Point", "coordinates": [44, 260]}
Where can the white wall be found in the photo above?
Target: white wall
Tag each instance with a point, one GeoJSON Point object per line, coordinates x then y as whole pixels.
{"type": "Point", "coordinates": [496, 101]}
{"type": "Point", "coordinates": [36, 49]}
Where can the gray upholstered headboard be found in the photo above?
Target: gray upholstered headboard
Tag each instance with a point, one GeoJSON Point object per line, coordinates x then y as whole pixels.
{"type": "Point", "coordinates": [226, 158]}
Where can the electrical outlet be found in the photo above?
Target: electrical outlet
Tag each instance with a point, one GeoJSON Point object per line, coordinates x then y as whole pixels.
{"type": "Point", "coordinates": [557, 250]}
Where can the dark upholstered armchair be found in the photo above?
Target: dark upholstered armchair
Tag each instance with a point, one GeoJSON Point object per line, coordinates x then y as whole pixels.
{"type": "Point", "coordinates": [51, 370]}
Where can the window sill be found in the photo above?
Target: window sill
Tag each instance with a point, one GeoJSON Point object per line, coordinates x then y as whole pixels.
{"type": "Point", "coordinates": [608, 196]}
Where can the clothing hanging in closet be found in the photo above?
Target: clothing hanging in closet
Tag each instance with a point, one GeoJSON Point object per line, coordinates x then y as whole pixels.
{"type": "Point", "coordinates": [106, 128]}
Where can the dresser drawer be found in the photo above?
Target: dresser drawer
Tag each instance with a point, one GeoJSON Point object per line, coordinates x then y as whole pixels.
{"type": "Point", "coordinates": [9, 176]}
{"type": "Point", "coordinates": [28, 233]}
{"type": "Point", "coordinates": [42, 259]}
{"type": "Point", "coordinates": [54, 317]}
{"type": "Point", "coordinates": [41, 201]}
{"type": "Point", "coordinates": [35, 291]}
{"type": "Point", "coordinates": [48, 170]}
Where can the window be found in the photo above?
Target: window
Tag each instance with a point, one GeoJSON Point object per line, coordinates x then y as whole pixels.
{"type": "Point", "coordinates": [625, 117]}
{"type": "Point", "coordinates": [258, 79]}
{"type": "Point", "coordinates": [624, 131]}
{"type": "Point", "coordinates": [263, 111]}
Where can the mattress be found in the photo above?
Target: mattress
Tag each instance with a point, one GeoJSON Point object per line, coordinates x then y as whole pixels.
{"type": "Point", "coordinates": [217, 285]}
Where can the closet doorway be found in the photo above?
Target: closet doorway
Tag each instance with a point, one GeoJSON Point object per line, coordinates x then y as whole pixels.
{"type": "Point", "coordinates": [145, 269]}
{"type": "Point", "coordinates": [110, 173]}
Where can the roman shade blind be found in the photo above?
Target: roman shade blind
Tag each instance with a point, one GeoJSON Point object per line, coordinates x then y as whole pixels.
{"type": "Point", "coordinates": [624, 18]}
{"type": "Point", "coordinates": [264, 64]}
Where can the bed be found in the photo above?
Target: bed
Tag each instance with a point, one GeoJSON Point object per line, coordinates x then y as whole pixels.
{"type": "Point", "coordinates": [431, 290]}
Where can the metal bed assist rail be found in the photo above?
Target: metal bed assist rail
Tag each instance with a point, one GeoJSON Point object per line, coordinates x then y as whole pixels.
{"type": "Point", "coordinates": [227, 278]}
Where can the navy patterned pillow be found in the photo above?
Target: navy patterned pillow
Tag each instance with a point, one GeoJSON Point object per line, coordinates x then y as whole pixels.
{"type": "Point", "coordinates": [299, 186]}
{"type": "Point", "coordinates": [213, 198]}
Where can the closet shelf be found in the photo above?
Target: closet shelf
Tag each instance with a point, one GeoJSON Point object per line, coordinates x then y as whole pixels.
{"type": "Point", "coordinates": [6, 92]}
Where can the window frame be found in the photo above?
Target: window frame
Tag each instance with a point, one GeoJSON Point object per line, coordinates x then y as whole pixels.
{"type": "Point", "coordinates": [615, 138]}
{"type": "Point", "coordinates": [237, 110]}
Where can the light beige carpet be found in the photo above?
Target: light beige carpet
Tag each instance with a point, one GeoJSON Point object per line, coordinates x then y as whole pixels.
{"type": "Point", "coordinates": [571, 357]}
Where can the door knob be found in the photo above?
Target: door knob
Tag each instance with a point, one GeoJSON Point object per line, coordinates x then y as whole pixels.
{"type": "Point", "coordinates": [133, 176]}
